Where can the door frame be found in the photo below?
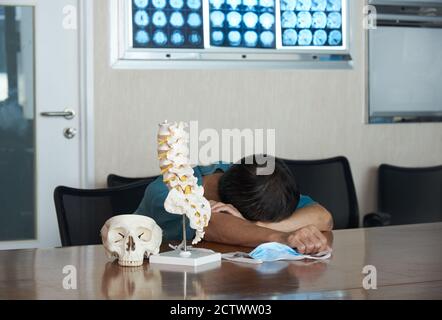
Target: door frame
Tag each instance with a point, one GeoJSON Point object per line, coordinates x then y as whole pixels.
{"type": "Point", "coordinates": [85, 25]}
{"type": "Point", "coordinates": [87, 120]}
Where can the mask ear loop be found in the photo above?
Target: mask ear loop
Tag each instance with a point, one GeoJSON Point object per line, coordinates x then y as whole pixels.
{"type": "Point", "coordinates": [319, 256]}
{"type": "Point", "coordinates": [240, 257]}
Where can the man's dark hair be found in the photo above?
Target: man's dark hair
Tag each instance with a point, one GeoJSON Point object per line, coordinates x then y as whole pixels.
{"type": "Point", "coordinates": [272, 197]}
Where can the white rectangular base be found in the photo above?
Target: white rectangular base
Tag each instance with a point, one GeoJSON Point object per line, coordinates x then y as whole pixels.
{"type": "Point", "coordinates": [196, 258]}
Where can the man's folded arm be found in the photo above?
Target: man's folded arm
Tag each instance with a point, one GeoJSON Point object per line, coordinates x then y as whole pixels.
{"type": "Point", "coordinates": [314, 214]}
{"type": "Point", "coordinates": [228, 229]}
{"type": "Point", "coordinates": [225, 228]}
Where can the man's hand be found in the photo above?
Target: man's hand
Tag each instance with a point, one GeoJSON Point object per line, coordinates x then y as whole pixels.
{"type": "Point", "coordinates": [307, 240]}
{"type": "Point", "coordinates": [225, 208]}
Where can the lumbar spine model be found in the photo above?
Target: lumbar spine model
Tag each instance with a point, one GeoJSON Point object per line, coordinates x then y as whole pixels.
{"type": "Point", "coordinates": [185, 196]}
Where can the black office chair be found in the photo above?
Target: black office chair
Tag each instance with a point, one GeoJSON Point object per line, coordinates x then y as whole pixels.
{"type": "Point", "coordinates": [407, 196]}
{"type": "Point", "coordinates": [81, 213]}
{"type": "Point", "coordinates": [114, 180]}
{"type": "Point", "coordinates": [330, 183]}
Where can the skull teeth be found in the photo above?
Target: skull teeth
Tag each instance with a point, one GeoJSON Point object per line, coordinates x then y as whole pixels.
{"type": "Point", "coordinates": [132, 263]}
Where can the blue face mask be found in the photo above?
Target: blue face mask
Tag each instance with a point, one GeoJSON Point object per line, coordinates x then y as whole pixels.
{"type": "Point", "coordinates": [272, 251]}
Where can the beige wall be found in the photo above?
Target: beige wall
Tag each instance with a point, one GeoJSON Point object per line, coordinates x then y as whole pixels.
{"type": "Point", "coordinates": [316, 113]}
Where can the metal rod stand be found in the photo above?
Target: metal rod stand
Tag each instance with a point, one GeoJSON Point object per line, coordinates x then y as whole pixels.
{"type": "Point", "coordinates": [184, 234]}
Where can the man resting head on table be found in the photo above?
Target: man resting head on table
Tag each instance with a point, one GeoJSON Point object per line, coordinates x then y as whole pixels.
{"type": "Point", "coordinates": [247, 209]}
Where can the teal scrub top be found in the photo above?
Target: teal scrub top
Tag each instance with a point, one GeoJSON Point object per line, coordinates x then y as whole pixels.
{"type": "Point", "coordinates": [152, 204]}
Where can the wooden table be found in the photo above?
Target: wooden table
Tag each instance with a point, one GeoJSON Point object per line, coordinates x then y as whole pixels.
{"type": "Point", "coordinates": [408, 260]}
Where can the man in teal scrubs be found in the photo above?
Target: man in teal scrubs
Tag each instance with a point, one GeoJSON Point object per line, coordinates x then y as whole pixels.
{"type": "Point", "coordinates": [288, 217]}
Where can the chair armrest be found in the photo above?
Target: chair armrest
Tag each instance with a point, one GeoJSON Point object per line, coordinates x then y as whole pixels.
{"type": "Point", "coordinates": [377, 219]}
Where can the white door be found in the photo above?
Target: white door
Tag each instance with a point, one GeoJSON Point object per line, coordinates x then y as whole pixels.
{"type": "Point", "coordinates": [40, 129]}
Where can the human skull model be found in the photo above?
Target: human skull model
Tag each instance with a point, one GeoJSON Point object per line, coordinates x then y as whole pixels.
{"type": "Point", "coordinates": [130, 238]}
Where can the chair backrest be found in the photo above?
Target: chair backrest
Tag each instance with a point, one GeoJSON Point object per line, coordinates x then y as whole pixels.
{"type": "Point", "coordinates": [114, 180]}
{"type": "Point", "coordinates": [330, 183]}
{"type": "Point", "coordinates": [81, 213]}
{"type": "Point", "coordinates": [410, 195]}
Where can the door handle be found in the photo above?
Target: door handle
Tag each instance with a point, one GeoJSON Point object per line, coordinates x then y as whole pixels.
{"type": "Point", "coordinates": [67, 114]}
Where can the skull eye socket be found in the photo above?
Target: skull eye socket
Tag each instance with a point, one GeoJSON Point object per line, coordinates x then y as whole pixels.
{"type": "Point", "coordinates": [121, 235]}
{"type": "Point", "coordinates": [116, 235]}
{"type": "Point", "coordinates": [144, 234]}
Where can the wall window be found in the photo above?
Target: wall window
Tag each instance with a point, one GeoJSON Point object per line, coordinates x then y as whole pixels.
{"type": "Point", "coordinates": [404, 64]}
{"type": "Point", "coordinates": [229, 30]}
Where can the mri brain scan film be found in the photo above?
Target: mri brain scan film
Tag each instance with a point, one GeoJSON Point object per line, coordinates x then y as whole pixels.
{"type": "Point", "coordinates": [167, 24]}
{"type": "Point", "coordinates": [247, 24]}
{"type": "Point", "coordinates": [242, 23]}
{"type": "Point", "coordinates": [316, 23]}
